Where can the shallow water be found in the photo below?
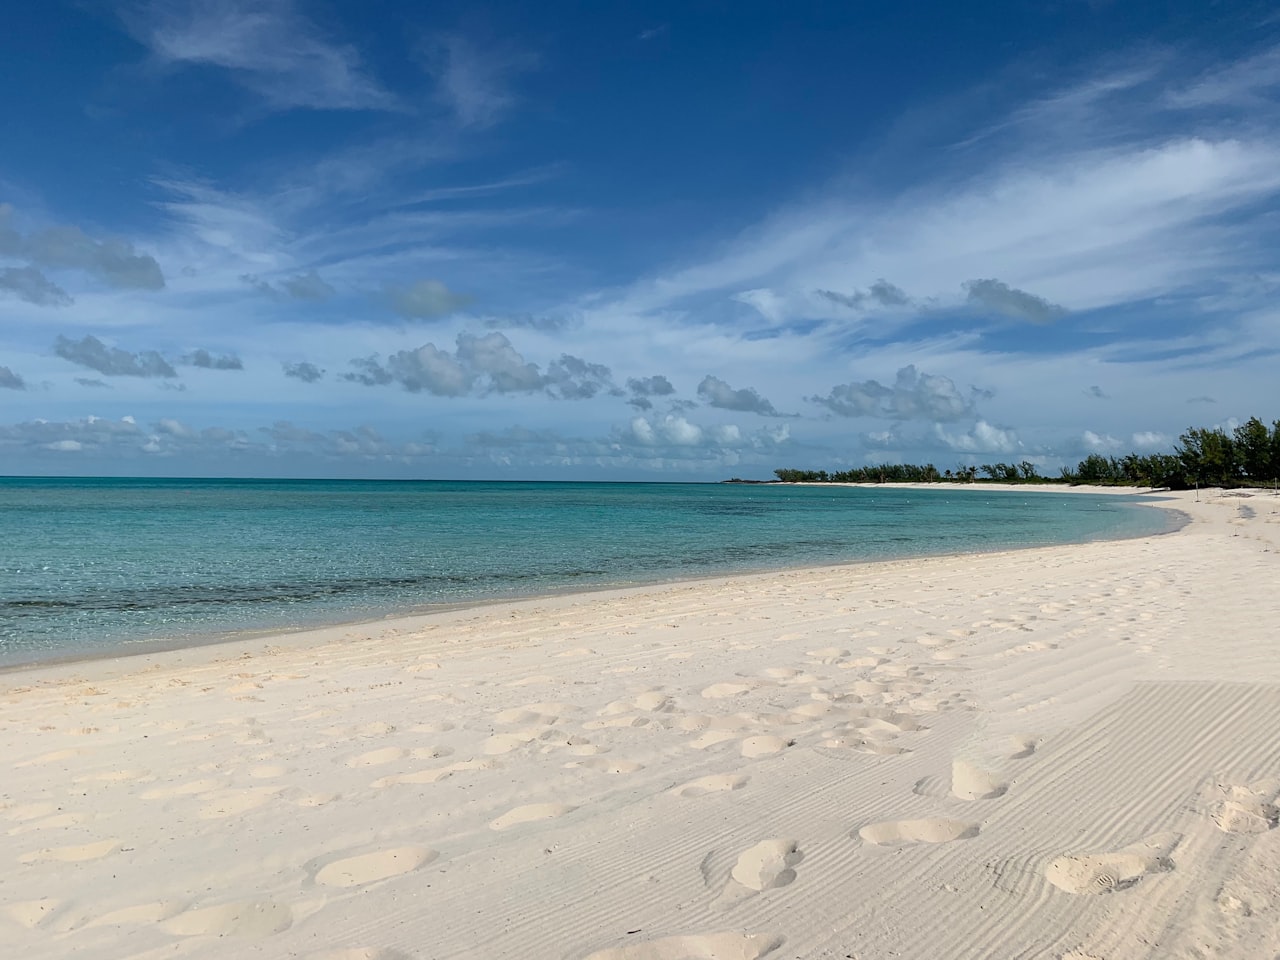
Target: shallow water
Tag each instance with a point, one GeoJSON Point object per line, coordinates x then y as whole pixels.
{"type": "Point", "coordinates": [95, 566]}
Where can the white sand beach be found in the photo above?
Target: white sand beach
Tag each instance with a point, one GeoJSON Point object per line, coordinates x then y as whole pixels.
{"type": "Point", "coordinates": [1070, 752]}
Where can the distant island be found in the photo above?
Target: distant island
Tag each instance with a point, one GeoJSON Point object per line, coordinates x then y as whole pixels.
{"type": "Point", "coordinates": [1248, 456]}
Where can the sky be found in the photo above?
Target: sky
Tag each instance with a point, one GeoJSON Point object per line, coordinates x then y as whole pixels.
{"type": "Point", "coordinates": [633, 240]}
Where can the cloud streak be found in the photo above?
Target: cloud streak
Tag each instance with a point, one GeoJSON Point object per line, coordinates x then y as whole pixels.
{"type": "Point", "coordinates": [266, 46]}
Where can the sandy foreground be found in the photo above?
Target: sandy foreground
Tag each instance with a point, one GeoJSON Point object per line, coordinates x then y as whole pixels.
{"type": "Point", "coordinates": [1070, 752]}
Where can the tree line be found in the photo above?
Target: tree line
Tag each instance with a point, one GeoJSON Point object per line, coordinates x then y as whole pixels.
{"type": "Point", "coordinates": [1249, 455]}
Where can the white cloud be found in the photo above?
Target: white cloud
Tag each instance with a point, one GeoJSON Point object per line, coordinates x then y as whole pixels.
{"type": "Point", "coordinates": [1101, 443]}
{"type": "Point", "coordinates": [1005, 299]}
{"type": "Point", "coordinates": [716, 393]}
{"type": "Point", "coordinates": [473, 81]}
{"type": "Point", "coordinates": [914, 395]}
{"type": "Point", "coordinates": [1151, 440]}
{"type": "Point", "coordinates": [983, 438]}
{"type": "Point", "coordinates": [267, 46]}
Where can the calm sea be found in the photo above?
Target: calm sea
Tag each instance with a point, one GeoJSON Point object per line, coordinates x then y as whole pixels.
{"type": "Point", "coordinates": [98, 566]}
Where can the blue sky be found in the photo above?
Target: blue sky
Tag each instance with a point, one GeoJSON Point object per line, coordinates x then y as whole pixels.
{"type": "Point", "coordinates": [630, 240]}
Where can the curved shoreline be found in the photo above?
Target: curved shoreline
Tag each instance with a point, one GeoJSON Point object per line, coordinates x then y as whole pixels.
{"type": "Point", "coordinates": [1069, 748]}
{"type": "Point", "coordinates": [414, 614]}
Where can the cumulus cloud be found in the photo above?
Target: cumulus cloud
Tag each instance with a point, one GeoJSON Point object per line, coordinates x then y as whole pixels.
{"type": "Point", "coordinates": [113, 260]}
{"type": "Point", "coordinates": [675, 438]}
{"type": "Point", "coordinates": [93, 353]}
{"type": "Point", "coordinates": [913, 396]}
{"type": "Point", "coordinates": [716, 393]}
{"type": "Point", "coordinates": [488, 363]}
{"type": "Point", "coordinates": [573, 378]}
{"type": "Point", "coordinates": [425, 300]}
{"type": "Point", "coordinates": [426, 369]}
{"type": "Point", "coordinates": [494, 356]}
{"type": "Point", "coordinates": [207, 361]}
{"type": "Point", "coordinates": [174, 428]}
{"type": "Point", "coordinates": [1150, 440]}
{"type": "Point", "coordinates": [87, 434]}
{"type": "Point", "coordinates": [673, 430]}
{"type": "Point", "coordinates": [10, 380]}
{"type": "Point", "coordinates": [881, 293]}
{"type": "Point", "coordinates": [304, 371]}
{"type": "Point", "coordinates": [642, 388]}
{"type": "Point", "coordinates": [1013, 302]}
{"type": "Point", "coordinates": [29, 284]}
{"type": "Point", "coordinates": [1101, 442]}
{"type": "Point", "coordinates": [983, 438]}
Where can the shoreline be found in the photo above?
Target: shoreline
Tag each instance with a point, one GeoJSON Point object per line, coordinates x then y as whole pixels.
{"type": "Point", "coordinates": [1067, 752]}
{"type": "Point", "coordinates": [410, 618]}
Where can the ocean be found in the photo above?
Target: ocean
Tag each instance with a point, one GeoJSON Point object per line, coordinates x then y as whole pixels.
{"type": "Point", "coordinates": [97, 567]}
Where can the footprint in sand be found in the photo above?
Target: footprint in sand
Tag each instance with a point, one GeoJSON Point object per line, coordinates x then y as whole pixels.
{"type": "Point", "coordinates": [235, 802]}
{"type": "Point", "coordinates": [59, 822]}
{"type": "Point", "coordinates": [893, 833]}
{"type": "Point", "coordinates": [376, 758]}
{"type": "Point", "coordinates": [712, 737]}
{"type": "Point", "coordinates": [72, 854]}
{"type": "Point", "coordinates": [828, 655]}
{"type": "Point", "coordinates": [250, 919]}
{"type": "Point", "coordinates": [442, 726]}
{"type": "Point", "coordinates": [54, 757]}
{"type": "Point", "coordinates": [501, 743]}
{"type": "Point", "coordinates": [1108, 872]}
{"type": "Point", "coordinates": [1246, 809]}
{"type": "Point", "coordinates": [725, 691]}
{"type": "Point", "coordinates": [143, 914]}
{"type": "Point", "coordinates": [434, 774]}
{"type": "Point", "coordinates": [30, 811]}
{"type": "Point", "coordinates": [607, 765]}
{"type": "Point", "coordinates": [371, 867]}
{"type": "Point", "coordinates": [973, 783]}
{"type": "Point", "coordinates": [764, 746]}
{"type": "Point", "coordinates": [729, 945]}
{"type": "Point", "coordinates": [1021, 747]}
{"type": "Point", "coordinates": [267, 771]}
{"type": "Point", "coordinates": [767, 865]}
{"type": "Point", "coordinates": [30, 913]}
{"type": "Point", "coordinates": [112, 776]}
{"type": "Point", "coordinates": [715, 783]}
{"type": "Point", "coordinates": [531, 813]}
{"type": "Point", "coordinates": [539, 714]}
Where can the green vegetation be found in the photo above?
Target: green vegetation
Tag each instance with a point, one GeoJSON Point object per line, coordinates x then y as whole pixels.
{"type": "Point", "coordinates": [1249, 455]}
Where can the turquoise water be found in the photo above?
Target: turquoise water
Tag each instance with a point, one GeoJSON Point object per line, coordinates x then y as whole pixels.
{"type": "Point", "coordinates": [102, 565]}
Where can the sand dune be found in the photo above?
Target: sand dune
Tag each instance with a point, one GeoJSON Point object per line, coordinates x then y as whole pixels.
{"type": "Point", "coordinates": [1065, 753]}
